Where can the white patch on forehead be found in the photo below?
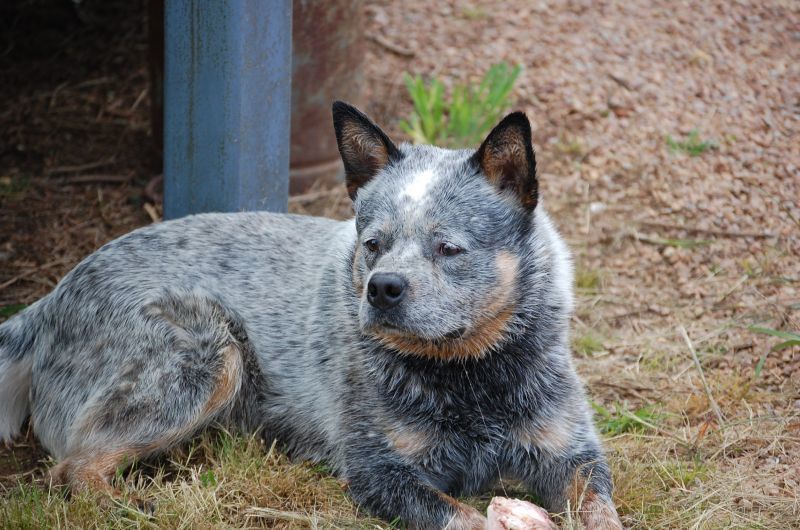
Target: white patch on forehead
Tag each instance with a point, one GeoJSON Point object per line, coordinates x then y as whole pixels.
{"type": "Point", "coordinates": [418, 186]}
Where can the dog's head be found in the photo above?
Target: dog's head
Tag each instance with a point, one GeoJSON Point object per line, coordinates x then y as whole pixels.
{"type": "Point", "coordinates": [441, 235]}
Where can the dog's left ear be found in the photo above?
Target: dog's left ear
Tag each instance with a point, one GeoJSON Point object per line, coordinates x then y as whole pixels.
{"type": "Point", "coordinates": [364, 147]}
{"type": "Point", "coordinates": [506, 158]}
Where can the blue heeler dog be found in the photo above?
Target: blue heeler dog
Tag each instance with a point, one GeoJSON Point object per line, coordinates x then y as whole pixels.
{"type": "Point", "coordinates": [420, 349]}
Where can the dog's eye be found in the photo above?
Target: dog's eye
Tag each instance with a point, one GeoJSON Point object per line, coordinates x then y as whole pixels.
{"type": "Point", "coordinates": [372, 245]}
{"type": "Point", "coordinates": [448, 249]}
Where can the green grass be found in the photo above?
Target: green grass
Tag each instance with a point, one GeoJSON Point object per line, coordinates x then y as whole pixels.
{"type": "Point", "coordinates": [573, 148]}
{"type": "Point", "coordinates": [219, 481]}
{"type": "Point", "coordinates": [790, 339]}
{"type": "Point", "coordinates": [682, 473]}
{"type": "Point", "coordinates": [322, 468]}
{"type": "Point", "coordinates": [587, 280]}
{"type": "Point", "coordinates": [684, 243]}
{"type": "Point", "coordinates": [11, 309]}
{"type": "Point", "coordinates": [474, 12]}
{"type": "Point", "coordinates": [621, 420]}
{"type": "Point", "coordinates": [208, 478]}
{"type": "Point", "coordinates": [587, 344]}
{"type": "Point", "coordinates": [466, 116]}
{"type": "Point", "coordinates": [692, 145]}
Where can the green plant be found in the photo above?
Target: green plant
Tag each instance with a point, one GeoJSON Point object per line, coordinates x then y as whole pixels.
{"type": "Point", "coordinates": [571, 147]}
{"type": "Point", "coordinates": [692, 145]}
{"type": "Point", "coordinates": [685, 243]}
{"type": "Point", "coordinates": [790, 339]}
{"type": "Point", "coordinates": [208, 479]}
{"type": "Point", "coordinates": [467, 116]}
{"type": "Point", "coordinates": [12, 309]}
{"type": "Point", "coordinates": [474, 12]}
{"type": "Point", "coordinates": [587, 280]}
{"type": "Point", "coordinates": [621, 420]}
{"type": "Point", "coordinates": [322, 468]}
{"type": "Point", "coordinates": [588, 344]}
{"type": "Point", "coordinates": [682, 474]}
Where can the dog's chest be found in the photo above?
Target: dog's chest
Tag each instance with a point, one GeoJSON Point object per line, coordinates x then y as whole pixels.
{"type": "Point", "coordinates": [457, 454]}
{"type": "Point", "coordinates": [455, 435]}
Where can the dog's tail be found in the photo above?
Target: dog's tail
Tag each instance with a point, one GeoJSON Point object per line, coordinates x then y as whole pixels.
{"type": "Point", "coordinates": [16, 344]}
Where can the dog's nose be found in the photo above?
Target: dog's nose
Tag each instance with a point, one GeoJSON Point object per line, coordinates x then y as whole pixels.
{"type": "Point", "coordinates": [386, 289]}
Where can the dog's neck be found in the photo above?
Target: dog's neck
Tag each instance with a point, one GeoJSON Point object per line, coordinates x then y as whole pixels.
{"type": "Point", "coordinates": [510, 378]}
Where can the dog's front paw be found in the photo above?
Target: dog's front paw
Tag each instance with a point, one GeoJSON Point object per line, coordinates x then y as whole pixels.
{"type": "Point", "coordinates": [467, 518]}
{"type": "Point", "coordinates": [599, 514]}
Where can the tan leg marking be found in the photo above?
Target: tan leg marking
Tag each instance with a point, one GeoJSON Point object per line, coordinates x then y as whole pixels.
{"type": "Point", "coordinates": [93, 471]}
{"type": "Point", "coordinates": [411, 443]}
{"type": "Point", "coordinates": [554, 437]}
{"type": "Point", "coordinates": [228, 382]}
{"type": "Point", "coordinates": [594, 512]}
{"type": "Point", "coordinates": [599, 514]}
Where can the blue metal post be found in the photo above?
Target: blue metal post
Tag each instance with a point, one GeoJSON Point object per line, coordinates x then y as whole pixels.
{"type": "Point", "coordinates": [227, 101]}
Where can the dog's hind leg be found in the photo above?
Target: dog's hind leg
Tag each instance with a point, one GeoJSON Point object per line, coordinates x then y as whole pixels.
{"type": "Point", "coordinates": [92, 471]}
{"type": "Point", "coordinates": [161, 398]}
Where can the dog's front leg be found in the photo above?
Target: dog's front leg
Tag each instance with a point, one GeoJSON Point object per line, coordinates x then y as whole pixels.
{"type": "Point", "coordinates": [388, 487]}
{"type": "Point", "coordinates": [579, 483]}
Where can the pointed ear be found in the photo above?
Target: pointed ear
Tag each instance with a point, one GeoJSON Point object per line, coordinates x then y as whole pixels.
{"type": "Point", "coordinates": [364, 147]}
{"type": "Point", "coordinates": [507, 160]}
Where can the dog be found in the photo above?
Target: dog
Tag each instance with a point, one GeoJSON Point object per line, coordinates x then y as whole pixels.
{"type": "Point", "coordinates": [420, 349]}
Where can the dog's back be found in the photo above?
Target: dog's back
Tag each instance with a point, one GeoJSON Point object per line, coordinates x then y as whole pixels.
{"type": "Point", "coordinates": [265, 269]}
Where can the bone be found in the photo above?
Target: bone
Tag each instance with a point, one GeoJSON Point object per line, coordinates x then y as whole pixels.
{"type": "Point", "coordinates": [515, 514]}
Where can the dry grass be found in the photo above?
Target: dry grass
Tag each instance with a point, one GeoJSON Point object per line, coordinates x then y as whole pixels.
{"type": "Point", "coordinates": [668, 233]}
{"type": "Point", "coordinates": [218, 482]}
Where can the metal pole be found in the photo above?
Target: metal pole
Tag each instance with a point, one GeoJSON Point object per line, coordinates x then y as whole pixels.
{"type": "Point", "coordinates": [227, 100]}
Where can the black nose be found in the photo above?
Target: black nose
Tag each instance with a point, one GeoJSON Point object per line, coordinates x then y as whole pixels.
{"type": "Point", "coordinates": [386, 289]}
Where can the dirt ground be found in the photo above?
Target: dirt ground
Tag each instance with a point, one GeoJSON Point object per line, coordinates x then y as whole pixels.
{"type": "Point", "coordinates": [668, 145]}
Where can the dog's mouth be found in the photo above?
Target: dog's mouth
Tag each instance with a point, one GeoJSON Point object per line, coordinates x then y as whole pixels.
{"type": "Point", "coordinates": [461, 343]}
{"type": "Point", "coordinates": [389, 329]}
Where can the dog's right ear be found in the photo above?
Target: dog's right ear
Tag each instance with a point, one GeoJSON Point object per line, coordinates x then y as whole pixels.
{"type": "Point", "coordinates": [364, 147]}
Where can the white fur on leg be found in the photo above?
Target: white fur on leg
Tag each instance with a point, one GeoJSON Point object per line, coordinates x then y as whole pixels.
{"type": "Point", "coordinates": [15, 384]}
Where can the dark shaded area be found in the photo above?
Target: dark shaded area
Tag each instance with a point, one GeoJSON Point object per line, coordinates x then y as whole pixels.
{"type": "Point", "coordinates": [21, 463]}
{"type": "Point", "coordinates": [75, 141]}
{"type": "Point", "coordinates": [74, 85]}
